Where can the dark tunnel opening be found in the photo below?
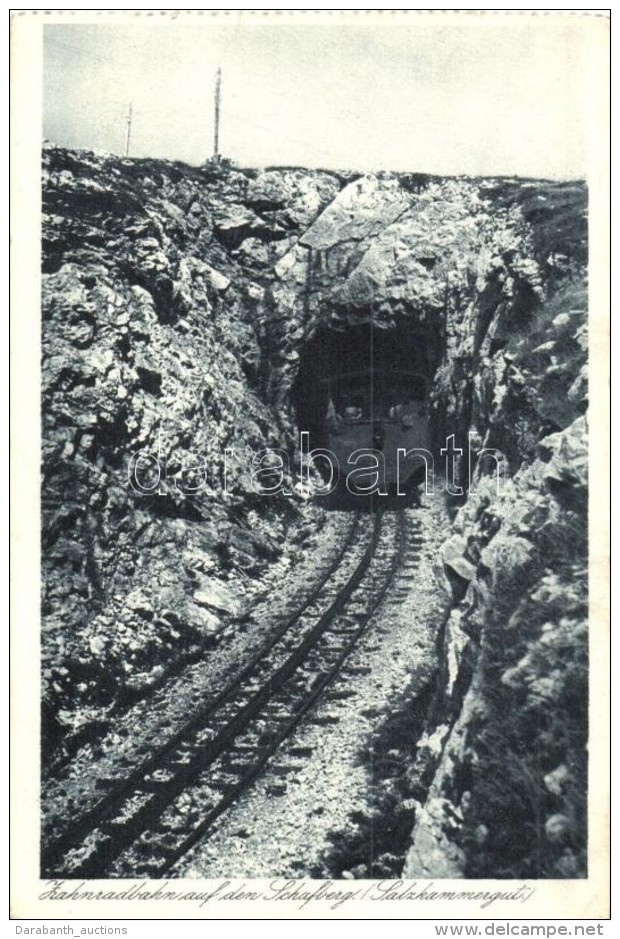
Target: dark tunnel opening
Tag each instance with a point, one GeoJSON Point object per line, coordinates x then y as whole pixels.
{"type": "Point", "coordinates": [366, 388]}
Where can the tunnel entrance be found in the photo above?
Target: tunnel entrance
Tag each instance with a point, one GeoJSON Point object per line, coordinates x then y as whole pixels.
{"type": "Point", "coordinates": [366, 388]}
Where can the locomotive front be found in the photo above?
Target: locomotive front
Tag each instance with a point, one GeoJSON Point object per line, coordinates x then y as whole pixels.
{"type": "Point", "coordinates": [378, 429]}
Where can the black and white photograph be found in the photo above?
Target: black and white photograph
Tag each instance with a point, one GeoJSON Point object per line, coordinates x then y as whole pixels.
{"type": "Point", "coordinates": [318, 558]}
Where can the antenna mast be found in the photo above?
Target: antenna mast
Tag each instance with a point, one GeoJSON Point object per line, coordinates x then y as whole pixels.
{"type": "Point", "coordinates": [216, 131]}
{"type": "Point", "coordinates": [129, 118]}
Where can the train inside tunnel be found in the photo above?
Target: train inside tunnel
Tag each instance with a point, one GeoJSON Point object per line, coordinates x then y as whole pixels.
{"type": "Point", "coordinates": [362, 395]}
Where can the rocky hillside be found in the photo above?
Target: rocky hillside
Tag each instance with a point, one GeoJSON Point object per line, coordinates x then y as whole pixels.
{"type": "Point", "coordinates": [502, 769]}
{"type": "Point", "coordinates": [153, 341]}
{"type": "Point", "coordinates": [491, 275]}
{"type": "Point", "coordinates": [180, 311]}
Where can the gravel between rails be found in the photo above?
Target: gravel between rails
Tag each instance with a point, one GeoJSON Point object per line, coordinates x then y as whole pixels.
{"type": "Point", "coordinates": [83, 781]}
{"type": "Point", "coordinates": [285, 824]}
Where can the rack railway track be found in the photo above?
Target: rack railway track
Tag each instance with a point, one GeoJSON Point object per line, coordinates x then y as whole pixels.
{"type": "Point", "coordinates": [144, 825]}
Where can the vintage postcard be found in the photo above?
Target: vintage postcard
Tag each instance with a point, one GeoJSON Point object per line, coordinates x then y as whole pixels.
{"type": "Point", "coordinates": [310, 451]}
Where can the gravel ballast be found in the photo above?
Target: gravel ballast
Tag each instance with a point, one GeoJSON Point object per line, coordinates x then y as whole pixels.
{"type": "Point", "coordinates": [287, 823]}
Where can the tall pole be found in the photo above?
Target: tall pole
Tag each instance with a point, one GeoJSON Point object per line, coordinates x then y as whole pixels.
{"type": "Point", "coordinates": [128, 141]}
{"type": "Point", "coordinates": [216, 132]}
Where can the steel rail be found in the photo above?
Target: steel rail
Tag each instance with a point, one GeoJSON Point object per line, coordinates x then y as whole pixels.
{"type": "Point", "coordinates": [78, 829]}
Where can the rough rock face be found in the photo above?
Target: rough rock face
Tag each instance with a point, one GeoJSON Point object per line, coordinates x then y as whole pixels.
{"type": "Point", "coordinates": [508, 784]}
{"type": "Point", "coordinates": [456, 260]}
{"type": "Point", "coordinates": [508, 794]}
{"type": "Point", "coordinates": [491, 274]}
{"type": "Point", "coordinates": [178, 304]}
{"type": "Point", "coordinates": [152, 343]}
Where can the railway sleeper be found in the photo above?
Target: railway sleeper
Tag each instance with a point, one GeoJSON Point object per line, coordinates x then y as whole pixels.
{"type": "Point", "coordinates": [323, 720]}
{"type": "Point", "coordinates": [172, 821]}
{"type": "Point", "coordinates": [124, 826]}
{"type": "Point", "coordinates": [206, 736]}
{"type": "Point", "coordinates": [345, 629]}
{"type": "Point", "coordinates": [225, 779]}
{"type": "Point", "coordinates": [243, 748]}
{"type": "Point", "coordinates": [357, 670]}
{"type": "Point", "coordinates": [97, 843]}
{"type": "Point", "coordinates": [344, 622]}
{"type": "Point", "coordinates": [300, 751]}
{"type": "Point", "coordinates": [336, 694]}
{"type": "Point", "coordinates": [284, 769]}
{"type": "Point", "coordinates": [182, 759]}
{"type": "Point", "coordinates": [158, 784]}
{"type": "Point", "coordinates": [269, 726]}
{"type": "Point", "coordinates": [275, 710]}
{"type": "Point", "coordinates": [236, 767]}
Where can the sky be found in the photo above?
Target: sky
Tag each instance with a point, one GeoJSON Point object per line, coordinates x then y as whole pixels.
{"type": "Point", "coordinates": [490, 95]}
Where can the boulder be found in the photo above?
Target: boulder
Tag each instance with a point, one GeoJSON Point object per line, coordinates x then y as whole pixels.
{"type": "Point", "coordinates": [269, 191]}
{"type": "Point", "coordinates": [203, 620]}
{"type": "Point", "coordinates": [359, 211]}
{"type": "Point", "coordinates": [569, 449]}
{"type": "Point", "coordinates": [296, 196]}
{"type": "Point", "coordinates": [218, 281]}
{"type": "Point", "coordinates": [433, 854]}
{"type": "Point", "coordinates": [454, 556]}
{"type": "Point", "coordinates": [139, 603]}
{"type": "Point", "coordinates": [215, 595]}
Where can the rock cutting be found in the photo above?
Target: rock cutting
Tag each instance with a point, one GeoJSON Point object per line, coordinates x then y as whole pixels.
{"type": "Point", "coordinates": [314, 523]}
